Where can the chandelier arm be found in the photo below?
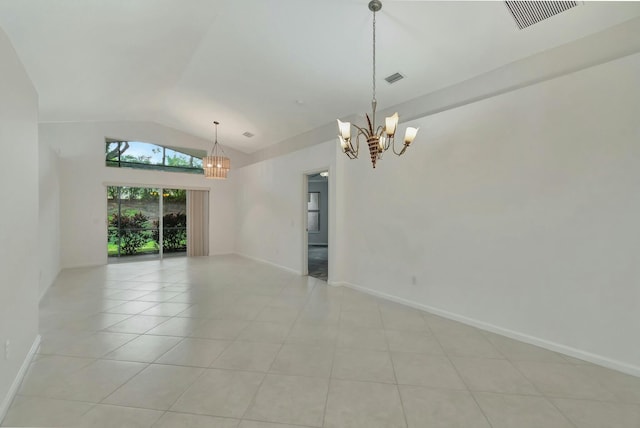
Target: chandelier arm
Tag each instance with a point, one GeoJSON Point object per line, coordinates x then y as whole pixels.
{"type": "Point", "coordinates": [364, 133]}
{"type": "Point", "coordinates": [353, 150]}
{"type": "Point", "coordinates": [383, 139]}
{"type": "Point", "coordinates": [401, 152]}
{"type": "Point", "coordinates": [351, 155]}
{"type": "Point", "coordinates": [388, 143]}
{"type": "Point", "coordinates": [394, 148]}
{"type": "Point", "coordinates": [360, 130]}
{"type": "Point", "coordinates": [361, 133]}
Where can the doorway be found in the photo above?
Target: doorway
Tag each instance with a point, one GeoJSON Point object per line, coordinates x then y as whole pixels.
{"type": "Point", "coordinates": [146, 223]}
{"type": "Point", "coordinates": [317, 225]}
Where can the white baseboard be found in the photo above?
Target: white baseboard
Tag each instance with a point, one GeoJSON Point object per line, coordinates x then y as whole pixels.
{"type": "Point", "coordinates": [80, 266]}
{"type": "Point", "coordinates": [13, 390]}
{"type": "Point", "coordinates": [256, 259]}
{"type": "Point", "coordinates": [532, 340]}
{"type": "Point", "coordinates": [222, 253]}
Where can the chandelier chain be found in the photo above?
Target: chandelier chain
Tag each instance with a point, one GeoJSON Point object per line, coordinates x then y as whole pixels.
{"type": "Point", "coordinates": [216, 146]}
{"type": "Point", "coordinates": [374, 57]}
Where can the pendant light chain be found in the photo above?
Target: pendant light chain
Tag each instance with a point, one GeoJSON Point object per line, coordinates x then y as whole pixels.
{"type": "Point", "coordinates": [374, 102]}
{"type": "Point", "coordinates": [216, 146]}
{"type": "Point", "coordinates": [374, 57]}
{"type": "Point", "coordinates": [215, 143]}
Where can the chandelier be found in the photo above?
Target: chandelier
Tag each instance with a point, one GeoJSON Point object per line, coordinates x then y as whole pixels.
{"type": "Point", "coordinates": [381, 138]}
{"type": "Point", "coordinates": [216, 164]}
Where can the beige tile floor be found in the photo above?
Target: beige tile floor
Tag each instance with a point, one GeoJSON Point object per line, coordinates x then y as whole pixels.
{"type": "Point", "coordinates": [227, 342]}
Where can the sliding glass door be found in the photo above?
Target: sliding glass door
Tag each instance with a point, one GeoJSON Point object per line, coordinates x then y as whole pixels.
{"type": "Point", "coordinates": [174, 222]}
{"type": "Point", "coordinates": [136, 230]}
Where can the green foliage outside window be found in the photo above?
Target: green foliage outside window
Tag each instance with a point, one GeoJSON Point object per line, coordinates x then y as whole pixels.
{"type": "Point", "coordinates": [133, 231]}
{"type": "Point", "coordinates": [174, 232]}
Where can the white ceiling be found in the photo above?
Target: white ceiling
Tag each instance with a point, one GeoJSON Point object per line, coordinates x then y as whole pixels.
{"type": "Point", "coordinates": [276, 68]}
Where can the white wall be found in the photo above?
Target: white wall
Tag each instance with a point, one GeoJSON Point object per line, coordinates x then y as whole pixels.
{"type": "Point", "coordinates": [222, 219]}
{"type": "Point", "coordinates": [272, 206]}
{"type": "Point", "coordinates": [83, 176]}
{"type": "Point", "coordinates": [18, 218]}
{"type": "Point", "coordinates": [49, 217]}
{"type": "Point", "coordinates": [519, 213]}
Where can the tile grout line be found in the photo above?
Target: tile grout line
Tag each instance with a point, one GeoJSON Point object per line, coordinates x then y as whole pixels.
{"type": "Point", "coordinates": [255, 394]}
{"type": "Point", "coordinates": [393, 367]}
{"type": "Point", "coordinates": [542, 394]}
{"type": "Point", "coordinates": [329, 381]}
{"type": "Point", "coordinates": [149, 365]}
{"type": "Point", "coordinates": [446, 354]}
{"type": "Point", "coordinates": [335, 343]}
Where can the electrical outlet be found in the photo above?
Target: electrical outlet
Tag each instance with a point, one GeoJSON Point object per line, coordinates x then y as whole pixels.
{"type": "Point", "coordinates": [6, 349]}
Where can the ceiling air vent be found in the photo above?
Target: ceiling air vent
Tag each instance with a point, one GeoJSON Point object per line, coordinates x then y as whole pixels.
{"type": "Point", "coordinates": [394, 78]}
{"type": "Point", "coordinates": [527, 13]}
{"type": "Point", "coordinates": [248, 134]}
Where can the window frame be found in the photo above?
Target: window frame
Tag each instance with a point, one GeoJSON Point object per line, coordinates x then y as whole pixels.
{"type": "Point", "coordinates": [313, 211]}
{"type": "Point", "coordinates": [117, 162]}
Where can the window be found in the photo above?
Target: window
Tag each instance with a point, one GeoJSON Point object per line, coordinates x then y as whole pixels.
{"type": "Point", "coordinates": [313, 212]}
{"type": "Point", "coordinates": [136, 154]}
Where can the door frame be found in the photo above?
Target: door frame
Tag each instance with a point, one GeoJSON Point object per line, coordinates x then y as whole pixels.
{"type": "Point", "coordinates": [159, 189]}
{"type": "Point", "coordinates": [305, 233]}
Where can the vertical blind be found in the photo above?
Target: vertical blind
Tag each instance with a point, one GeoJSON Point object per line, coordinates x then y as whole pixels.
{"type": "Point", "coordinates": [197, 223]}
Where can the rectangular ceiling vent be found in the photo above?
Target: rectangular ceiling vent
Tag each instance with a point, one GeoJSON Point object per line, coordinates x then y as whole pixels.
{"type": "Point", "coordinates": [248, 134]}
{"type": "Point", "coordinates": [527, 13]}
{"type": "Point", "coordinates": [394, 78]}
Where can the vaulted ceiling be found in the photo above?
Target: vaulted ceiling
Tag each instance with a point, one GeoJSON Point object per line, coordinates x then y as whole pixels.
{"type": "Point", "coordinates": [275, 68]}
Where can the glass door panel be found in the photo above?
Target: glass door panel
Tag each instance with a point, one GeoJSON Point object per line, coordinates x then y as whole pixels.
{"type": "Point", "coordinates": [174, 222]}
{"type": "Point", "coordinates": [133, 222]}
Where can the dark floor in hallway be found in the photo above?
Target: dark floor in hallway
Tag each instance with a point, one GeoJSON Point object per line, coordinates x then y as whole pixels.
{"type": "Point", "coordinates": [318, 261]}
